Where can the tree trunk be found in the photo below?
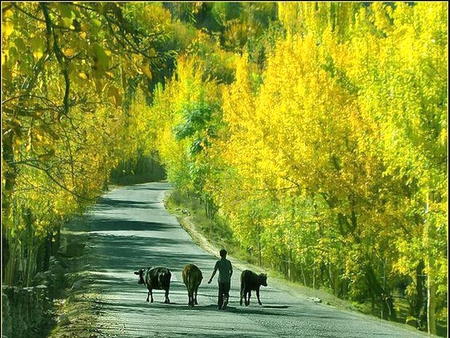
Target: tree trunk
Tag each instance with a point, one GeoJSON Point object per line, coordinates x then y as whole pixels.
{"type": "Point", "coordinates": [9, 266]}
{"type": "Point", "coordinates": [258, 229]}
{"type": "Point", "coordinates": [303, 274]}
{"type": "Point", "coordinates": [417, 302]}
{"type": "Point", "coordinates": [430, 234]}
{"type": "Point", "coordinates": [344, 284]}
{"type": "Point", "coordinates": [431, 300]}
{"type": "Point", "coordinates": [314, 282]}
{"type": "Point", "coordinates": [381, 295]}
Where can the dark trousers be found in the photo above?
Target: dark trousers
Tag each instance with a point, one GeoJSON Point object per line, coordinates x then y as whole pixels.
{"type": "Point", "coordinates": [224, 291]}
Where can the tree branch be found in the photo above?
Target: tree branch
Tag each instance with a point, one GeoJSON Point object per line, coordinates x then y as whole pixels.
{"type": "Point", "coordinates": [37, 165]}
{"type": "Point", "coordinates": [59, 56]}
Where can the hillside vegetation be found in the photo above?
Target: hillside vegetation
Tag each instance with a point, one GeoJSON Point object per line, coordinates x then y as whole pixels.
{"type": "Point", "coordinates": [315, 134]}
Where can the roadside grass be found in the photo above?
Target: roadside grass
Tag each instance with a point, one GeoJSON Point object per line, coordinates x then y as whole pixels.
{"type": "Point", "coordinates": [77, 309]}
{"type": "Point", "coordinates": [192, 217]}
{"type": "Point", "coordinates": [217, 232]}
{"type": "Point", "coordinates": [214, 234]}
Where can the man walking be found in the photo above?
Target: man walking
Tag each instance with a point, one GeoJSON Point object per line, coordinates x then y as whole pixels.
{"type": "Point", "coordinates": [225, 272]}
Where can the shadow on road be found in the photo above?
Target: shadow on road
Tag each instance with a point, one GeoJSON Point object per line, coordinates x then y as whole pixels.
{"type": "Point", "coordinates": [129, 229]}
{"type": "Point", "coordinates": [123, 239]}
{"type": "Point", "coordinates": [105, 203]}
{"type": "Point", "coordinates": [109, 225]}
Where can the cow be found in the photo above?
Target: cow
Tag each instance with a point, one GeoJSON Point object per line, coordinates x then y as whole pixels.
{"type": "Point", "coordinates": [251, 281]}
{"type": "Point", "coordinates": [192, 278]}
{"type": "Point", "coordinates": [157, 278]}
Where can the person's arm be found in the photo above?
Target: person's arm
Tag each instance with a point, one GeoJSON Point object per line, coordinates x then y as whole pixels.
{"type": "Point", "coordinates": [213, 273]}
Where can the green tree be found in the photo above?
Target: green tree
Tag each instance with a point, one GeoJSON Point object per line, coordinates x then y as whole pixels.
{"type": "Point", "coordinates": [65, 69]}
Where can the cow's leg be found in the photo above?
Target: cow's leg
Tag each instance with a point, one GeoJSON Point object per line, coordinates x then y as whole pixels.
{"type": "Point", "coordinates": [195, 296]}
{"type": "Point", "coordinates": [191, 298]}
{"type": "Point", "coordinates": [247, 298]}
{"type": "Point", "coordinates": [166, 296]}
{"type": "Point", "coordinates": [150, 295]}
{"type": "Point", "coordinates": [257, 296]}
{"type": "Point", "coordinates": [189, 294]}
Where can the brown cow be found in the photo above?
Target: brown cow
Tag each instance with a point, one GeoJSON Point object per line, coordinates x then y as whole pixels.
{"type": "Point", "coordinates": [192, 278]}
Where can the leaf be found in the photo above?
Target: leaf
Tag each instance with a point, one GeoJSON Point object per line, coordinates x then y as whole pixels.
{"type": "Point", "coordinates": [113, 93]}
{"type": "Point", "coordinates": [97, 22]}
{"type": "Point", "coordinates": [146, 70]}
{"type": "Point", "coordinates": [69, 52]}
{"type": "Point", "coordinates": [100, 58]}
{"type": "Point", "coordinates": [13, 54]}
{"type": "Point", "coordinates": [47, 156]}
{"type": "Point", "coordinates": [7, 29]}
{"type": "Point", "coordinates": [38, 46]}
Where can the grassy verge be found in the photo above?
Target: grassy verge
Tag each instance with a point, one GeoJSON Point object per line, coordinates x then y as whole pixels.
{"type": "Point", "coordinates": [76, 310]}
{"type": "Point", "coordinates": [78, 307]}
{"type": "Point", "coordinates": [215, 234]}
{"type": "Point", "coordinates": [188, 211]}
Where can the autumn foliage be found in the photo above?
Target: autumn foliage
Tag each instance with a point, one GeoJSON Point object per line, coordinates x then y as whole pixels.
{"type": "Point", "coordinates": [317, 131]}
{"type": "Point", "coordinates": [330, 162]}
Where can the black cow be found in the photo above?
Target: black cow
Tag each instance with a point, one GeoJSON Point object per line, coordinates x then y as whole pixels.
{"type": "Point", "coordinates": [192, 278]}
{"type": "Point", "coordinates": [251, 281]}
{"type": "Point", "coordinates": [157, 278]}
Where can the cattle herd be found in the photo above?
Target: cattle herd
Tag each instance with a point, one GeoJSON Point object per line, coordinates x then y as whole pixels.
{"type": "Point", "coordinates": [158, 278]}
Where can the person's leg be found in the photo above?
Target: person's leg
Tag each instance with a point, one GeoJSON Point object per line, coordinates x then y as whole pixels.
{"type": "Point", "coordinates": [226, 292]}
{"type": "Point", "coordinates": [220, 296]}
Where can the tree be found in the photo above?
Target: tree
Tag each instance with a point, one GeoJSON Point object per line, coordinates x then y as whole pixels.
{"type": "Point", "coordinates": [65, 69]}
{"type": "Point", "coordinates": [352, 121]}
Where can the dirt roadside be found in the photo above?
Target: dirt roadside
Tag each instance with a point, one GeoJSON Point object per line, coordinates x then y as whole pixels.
{"type": "Point", "coordinates": [273, 279]}
{"type": "Point", "coordinates": [77, 312]}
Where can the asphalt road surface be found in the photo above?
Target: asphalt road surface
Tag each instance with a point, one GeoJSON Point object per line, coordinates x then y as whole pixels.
{"type": "Point", "coordinates": [130, 229]}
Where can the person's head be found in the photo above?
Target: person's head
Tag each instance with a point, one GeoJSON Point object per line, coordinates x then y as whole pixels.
{"type": "Point", "coordinates": [223, 253]}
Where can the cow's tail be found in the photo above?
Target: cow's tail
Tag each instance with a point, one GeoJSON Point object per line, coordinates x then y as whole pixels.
{"type": "Point", "coordinates": [192, 281]}
{"type": "Point", "coordinates": [188, 282]}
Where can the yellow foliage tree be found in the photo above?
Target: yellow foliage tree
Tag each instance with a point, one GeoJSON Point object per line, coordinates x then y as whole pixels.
{"type": "Point", "coordinates": [63, 82]}
{"type": "Point", "coordinates": [348, 128]}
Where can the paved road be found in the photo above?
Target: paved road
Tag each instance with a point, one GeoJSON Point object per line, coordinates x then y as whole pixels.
{"type": "Point", "coordinates": [130, 229]}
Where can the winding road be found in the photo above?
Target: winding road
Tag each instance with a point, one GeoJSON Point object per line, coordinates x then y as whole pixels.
{"type": "Point", "coordinates": [130, 229]}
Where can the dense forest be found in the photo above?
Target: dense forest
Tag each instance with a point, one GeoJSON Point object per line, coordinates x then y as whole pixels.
{"type": "Point", "coordinates": [316, 131]}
